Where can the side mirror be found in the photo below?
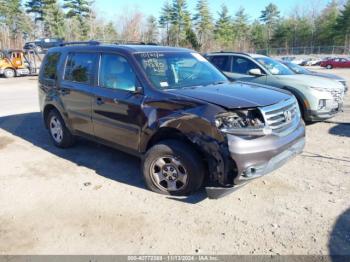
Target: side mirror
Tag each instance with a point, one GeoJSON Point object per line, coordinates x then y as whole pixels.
{"type": "Point", "coordinates": [138, 90]}
{"type": "Point", "coordinates": [255, 72]}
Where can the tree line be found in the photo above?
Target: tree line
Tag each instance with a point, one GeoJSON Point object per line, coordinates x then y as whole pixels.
{"type": "Point", "coordinates": [177, 26]}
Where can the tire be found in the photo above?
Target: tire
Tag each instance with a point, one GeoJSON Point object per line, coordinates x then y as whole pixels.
{"type": "Point", "coordinates": [329, 66]}
{"type": "Point", "coordinates": [9, 73]}
{"type": "Point", "coordinates": [173, 167]}
{"type": "Point", "coordinates": [58, 131]}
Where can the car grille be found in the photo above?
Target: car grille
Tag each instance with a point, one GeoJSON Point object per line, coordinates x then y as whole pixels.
{"type": "Point", "coordinates": [282, 117]}
{"type": "Point", "coordinates": [343, 83]}
{"type": "Point", "coordinates": [337, 95]}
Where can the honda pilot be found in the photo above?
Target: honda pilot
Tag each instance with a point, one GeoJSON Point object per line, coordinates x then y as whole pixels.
{"type": "Point", "coordinates": [190, 126]}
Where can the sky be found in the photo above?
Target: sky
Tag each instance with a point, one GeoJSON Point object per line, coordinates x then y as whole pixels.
{"type": "Point", "coordinates": [111, 8]}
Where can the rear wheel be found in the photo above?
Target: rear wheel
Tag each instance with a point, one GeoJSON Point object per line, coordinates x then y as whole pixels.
{"type": "Point", "coordinates": [59, 133]}
{"type": "Point", "coordinates": [329, 66]}
{"type": "Point", "coordinates": [9, 73]}
{"type": "Point", "coordinates": [173, 168]}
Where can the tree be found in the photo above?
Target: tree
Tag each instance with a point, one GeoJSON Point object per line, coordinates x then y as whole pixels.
{"type": "Point", "coordinates": [258, 35]}
{"type": "Point", "coordinates": [80, 10]}
{"type": "Point", "coordinates": [241, 28]}
{"type": "Point", "coordinates": [36, 7]}
{"type": "Point", "coordinates": [165, 20]}
{"type": "Point", "coordinates": [270, 16]}
{"type": "Point", "coordinates": [343, 24]}
{"type": "Point", "coordinates": [223, 31]}
{"type": "Point", "coordinates": [203, 22]}
{"type": "Point", "coordinates": [151, 32]}
{"type": "Point", "coordinates": [14, 18]}
{"type": "Point", "coordinates": [180, 20]}
{"type": "Point", "coordinates": [326, 23]}
{"type": "Point", "coordinates": [53, 19]}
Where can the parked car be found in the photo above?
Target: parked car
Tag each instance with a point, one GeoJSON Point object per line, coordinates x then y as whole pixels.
{"type": "Point", "coordinates": [172, 108]}
{"type": "Point", "coordinates": [43, 44]}
{"type": "Point", "coordinates": [292, 59]}
{"type": "Point", "coordinates": [318, 98]}
{"type": "Point", "coordinates": [303, 71]}
{"type": "Point", "coordinates": [336, 63]}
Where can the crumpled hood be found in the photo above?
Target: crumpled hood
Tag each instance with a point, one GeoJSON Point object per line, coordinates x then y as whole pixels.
{"type": "Point", "coordinates": [235, 95]}
{"type": "Point", "coordinates": [311, 81]}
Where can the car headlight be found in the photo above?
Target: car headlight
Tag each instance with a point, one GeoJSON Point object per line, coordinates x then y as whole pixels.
{"type": "Point", "coordinates": [321, 89]}
{"type": "Point", "coordinates": [242, 122]}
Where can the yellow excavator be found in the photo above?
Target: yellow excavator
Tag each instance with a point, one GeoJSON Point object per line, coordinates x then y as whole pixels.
{"type": "Point", "coordinates": [19, 63]}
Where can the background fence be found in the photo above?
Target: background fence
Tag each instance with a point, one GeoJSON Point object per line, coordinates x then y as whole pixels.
{"type": "Point", "coordinates": [315, 50]}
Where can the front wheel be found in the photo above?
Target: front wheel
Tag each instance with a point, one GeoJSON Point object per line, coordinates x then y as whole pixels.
{"type": "Point", "coordinates": [59, 133]}
{"type": "Point", "coordinates": [329, 66]}
{"type": "Point", "coordinates": [9, 73]}
{"type": "Point", "coordinates": [173, 167]}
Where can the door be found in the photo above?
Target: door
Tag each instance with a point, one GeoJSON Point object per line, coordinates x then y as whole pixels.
{"type": "Point", "coordinates": [241, 67]}
{"type": "Point", "coordinates": [75, 90]}
{"type": "Point", "coordinates": [222, 62]}
{"type": "Point", "coordinates": [117, 115]}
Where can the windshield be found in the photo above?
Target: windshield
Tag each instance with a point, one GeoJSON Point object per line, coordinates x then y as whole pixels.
{"type": "Point", "coordinates": [274, 67]}
{"type": "Point", "coordinates": [176, 70]}
{"type": "Point", "coordinates": [297, 68]}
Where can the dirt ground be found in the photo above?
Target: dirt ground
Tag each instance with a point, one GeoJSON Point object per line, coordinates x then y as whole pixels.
{"type": "Point", "coordinates": [91, 199]}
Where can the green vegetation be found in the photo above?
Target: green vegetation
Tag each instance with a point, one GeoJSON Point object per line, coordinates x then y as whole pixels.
{"type": "Point", "coordinates": [177, 26]}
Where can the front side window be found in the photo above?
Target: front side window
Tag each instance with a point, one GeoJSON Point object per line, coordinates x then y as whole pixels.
{"type": "Point", "coordinates": [116, 73]}
{"type": "Point", "coordinates": [177, 70]}
{"type": "Point", "coordinates": [221, 62]}
{"type": "Point", "coordinates": [50, 66]}
{"type": "Point", "coordinates": [273, 66]}
{"type": "Point", "coordinates": [79, 67]}
{"type": "Point", "coordinates": [241, 65]}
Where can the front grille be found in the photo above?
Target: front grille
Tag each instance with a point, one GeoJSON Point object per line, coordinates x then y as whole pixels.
{"type": "Point", "coordinates": [282, 116]}
{"type": "Point", "coordinates": [343, 83]}
{"type": "Point", "coordinates": [337, 95]}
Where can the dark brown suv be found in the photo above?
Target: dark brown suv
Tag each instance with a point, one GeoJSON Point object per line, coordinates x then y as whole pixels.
{"type": "Point", "coordinates": [171, 107]}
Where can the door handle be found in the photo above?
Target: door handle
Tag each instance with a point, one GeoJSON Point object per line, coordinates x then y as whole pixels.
{"type": "Point", "coordinates": [100, 101]}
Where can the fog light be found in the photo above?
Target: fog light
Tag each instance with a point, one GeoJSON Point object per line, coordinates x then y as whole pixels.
{"type": "Point", "coordinates": [324, 104]}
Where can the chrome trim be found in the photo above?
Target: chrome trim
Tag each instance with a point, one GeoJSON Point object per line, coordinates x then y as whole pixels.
{"type": "Point", "coordinates": [275, 116]}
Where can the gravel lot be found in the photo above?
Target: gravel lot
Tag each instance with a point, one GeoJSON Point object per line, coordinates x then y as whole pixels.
{"type": "Point", "coordinates": [91, 199]}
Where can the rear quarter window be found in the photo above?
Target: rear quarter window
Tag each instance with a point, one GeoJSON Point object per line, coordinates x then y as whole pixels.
{"type": "Point", "coordinates": [50, 65]}
{"type": "Point", "coordinates": [79, 67]}
{"type": "Point", "coordinates": [221, 62]}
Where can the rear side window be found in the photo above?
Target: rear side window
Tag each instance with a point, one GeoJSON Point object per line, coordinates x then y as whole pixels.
{"type": "Point", "coordinates": [242, 65]}
{"type": "Point", "coordinates": [221, 62]}
{"type": "Point", "coordinates": [50, 66]}
{"type": "Point", "coordinates": [79, 67]}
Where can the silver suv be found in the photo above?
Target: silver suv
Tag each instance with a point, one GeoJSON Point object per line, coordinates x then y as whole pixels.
{"type": "Point", "coordinates": [319, 98]}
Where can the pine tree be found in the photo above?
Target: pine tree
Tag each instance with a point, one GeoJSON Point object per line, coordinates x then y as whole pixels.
{"type": "Point", "coordinates": [165, 20]}
{"type": "Point", "coordinates": [36, 7]}
{"type": "Point", "coordinates": [203, 22]}
{"type": "Point", "coordinates": [270, 16]}
{"type": "Point", "coordinates": [151, 33]}
{"type": "Point", "coordinates": [79, 9]}
{"type": "Point", "coordinates": [241, 28]}
{"type": "Point", "coordinates": [223, 32]}
{"type": "Point", "coordinates": [343, 24]}
{"type": "Point", "coordinates": [53, 19]}
{"type": "Point", "coordinates": [326, 23]}
{"type": "Point", "coordinates": [180, 20]}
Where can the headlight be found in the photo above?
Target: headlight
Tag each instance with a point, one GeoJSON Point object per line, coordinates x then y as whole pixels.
{"type": "Point", "coordinates": [321, 89]}
{"type": "Point", "coordinates": [243, 122]}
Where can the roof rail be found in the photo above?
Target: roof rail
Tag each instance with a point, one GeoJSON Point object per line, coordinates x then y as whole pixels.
{"type": "Point", "coordinates": [121, 42]}
{"type": "Point", "coordinates": [233, 52]}
{"type": "Point", "coordinates": [91, 42]}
